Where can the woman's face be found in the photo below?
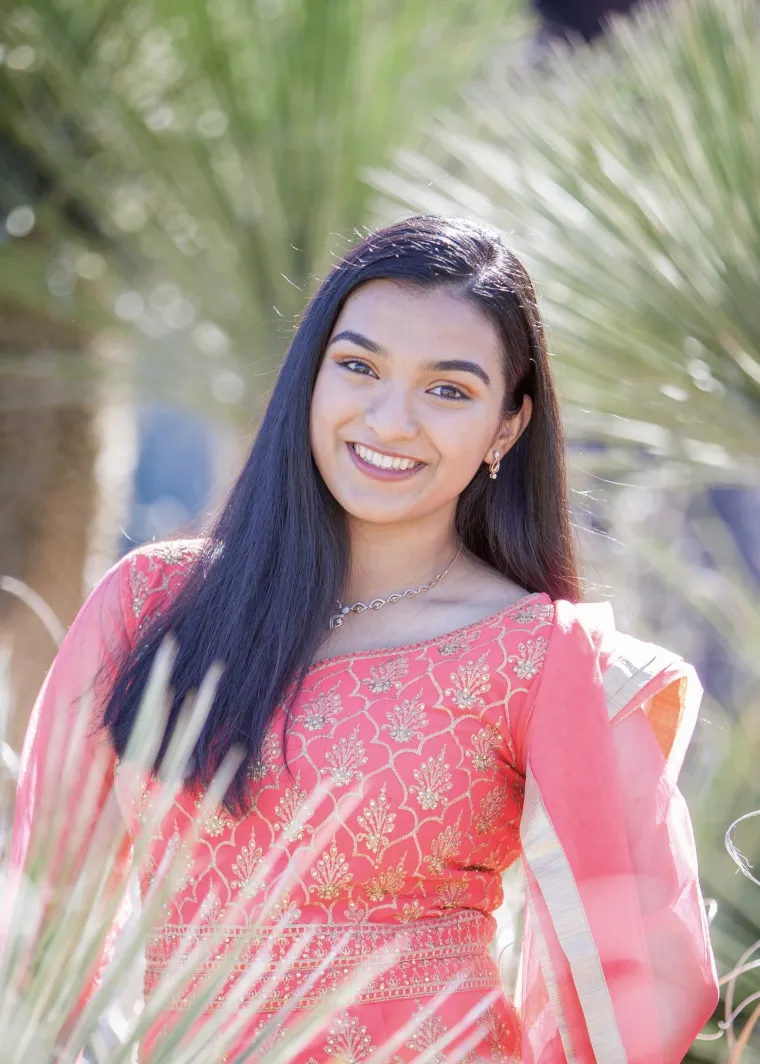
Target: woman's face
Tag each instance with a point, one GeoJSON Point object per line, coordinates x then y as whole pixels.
{"type": "Point", "coordinates": [411, 377]}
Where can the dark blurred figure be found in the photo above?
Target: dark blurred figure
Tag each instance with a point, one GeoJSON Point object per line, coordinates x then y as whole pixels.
{"type": "Point", "coordinates": [568, 19]}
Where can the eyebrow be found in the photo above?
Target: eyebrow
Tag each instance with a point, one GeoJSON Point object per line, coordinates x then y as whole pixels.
{"type": "Point", "coordinates": [453, 364]}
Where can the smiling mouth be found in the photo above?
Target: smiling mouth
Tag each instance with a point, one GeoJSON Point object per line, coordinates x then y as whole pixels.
{"type": "Point", "coordinates": [386, 464]}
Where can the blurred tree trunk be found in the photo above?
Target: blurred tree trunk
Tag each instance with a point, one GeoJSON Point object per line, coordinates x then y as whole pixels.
{"type": "Point", "coordinates": [48, 498]}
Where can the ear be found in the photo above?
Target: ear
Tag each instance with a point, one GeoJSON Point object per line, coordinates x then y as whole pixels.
{"type": "Point", "coordinates": [511, 430]}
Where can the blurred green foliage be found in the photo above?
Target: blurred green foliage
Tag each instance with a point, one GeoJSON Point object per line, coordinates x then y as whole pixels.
{"type": "Point", "coordinates": [217, 150]}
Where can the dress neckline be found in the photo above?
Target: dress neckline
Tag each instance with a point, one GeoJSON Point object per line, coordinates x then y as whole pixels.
{"type": "Point", "coordinates": [409, 647]}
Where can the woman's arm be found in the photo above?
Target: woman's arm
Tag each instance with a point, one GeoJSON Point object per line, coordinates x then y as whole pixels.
{"type": "Point", "coordinates": [67, 712]}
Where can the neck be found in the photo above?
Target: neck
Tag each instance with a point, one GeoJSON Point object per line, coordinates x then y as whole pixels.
{"type": "Point", "coordinates": [388, 558]}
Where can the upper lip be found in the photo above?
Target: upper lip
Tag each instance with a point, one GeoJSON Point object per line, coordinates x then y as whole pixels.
{"type": "Point", "coordinates": [379, 450]}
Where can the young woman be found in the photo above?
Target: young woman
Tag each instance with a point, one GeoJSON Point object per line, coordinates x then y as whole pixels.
{"type": "Point", "coordinates": [412, 459]}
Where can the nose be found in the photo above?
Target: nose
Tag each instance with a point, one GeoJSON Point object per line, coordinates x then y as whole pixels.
{"type": "Point", "coordinates": [390, 415]}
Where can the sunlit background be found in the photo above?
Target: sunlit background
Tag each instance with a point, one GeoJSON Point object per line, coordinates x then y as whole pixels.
{"type": "Point", "coordinates": [175, 175]}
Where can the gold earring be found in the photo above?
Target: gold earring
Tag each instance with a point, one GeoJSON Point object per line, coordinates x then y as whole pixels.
{"type": "Point", "coordinates": [493, 468]}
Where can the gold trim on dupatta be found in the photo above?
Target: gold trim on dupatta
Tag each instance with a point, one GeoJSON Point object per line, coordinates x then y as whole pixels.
{"type": "Point", "coordinates": [551, 983]}
{"type": "Point", "coordinates": [549, 865]}
{"type": "Point", "coordinates": [633, 664]}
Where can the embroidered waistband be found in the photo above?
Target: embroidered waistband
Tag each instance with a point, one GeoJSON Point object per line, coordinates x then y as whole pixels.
{"type": "Point", "coordinates": [428, 956]}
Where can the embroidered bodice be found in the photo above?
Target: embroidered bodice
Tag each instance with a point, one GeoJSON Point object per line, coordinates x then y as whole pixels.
{"type": "Point", "coordinates": [420, 810]}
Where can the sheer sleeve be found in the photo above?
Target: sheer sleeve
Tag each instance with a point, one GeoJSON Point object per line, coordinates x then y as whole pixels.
{"type": "Point", "coordinates": [617, 964]}
{"type": "Point", "coordinates": [73, 688]}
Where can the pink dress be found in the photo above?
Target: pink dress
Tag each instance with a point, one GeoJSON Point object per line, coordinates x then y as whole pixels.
{"type": "Point", "coordinates": [538, 733]}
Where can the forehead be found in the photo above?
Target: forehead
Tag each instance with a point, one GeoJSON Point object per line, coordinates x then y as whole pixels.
{"type": "Point", "coordinates": [419, 322]}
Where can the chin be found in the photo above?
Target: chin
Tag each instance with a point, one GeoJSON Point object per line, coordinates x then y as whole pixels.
{"type": "Point", "coordinates": [377, 514]}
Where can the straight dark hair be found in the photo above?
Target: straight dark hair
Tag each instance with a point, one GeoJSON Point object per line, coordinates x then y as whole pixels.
{"type": "Point", "coordinates": [259, 594]}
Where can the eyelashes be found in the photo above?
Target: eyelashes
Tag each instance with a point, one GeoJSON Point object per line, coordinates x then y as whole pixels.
{"type": "Point", "coordinates": [367, 371]}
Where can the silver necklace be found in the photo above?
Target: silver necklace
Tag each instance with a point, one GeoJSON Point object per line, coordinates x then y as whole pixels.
{"type": "Point", "coordinates": [359, 607]}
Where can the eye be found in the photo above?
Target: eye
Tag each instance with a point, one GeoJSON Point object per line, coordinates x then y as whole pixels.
{"type": "Point", "coordinates": [458, 393]}
{"type": "Point", "coordinates": [364, 369]}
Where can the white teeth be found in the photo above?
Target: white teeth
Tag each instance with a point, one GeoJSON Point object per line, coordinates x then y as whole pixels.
{"type": "Point", "coordinates": [383, 461]}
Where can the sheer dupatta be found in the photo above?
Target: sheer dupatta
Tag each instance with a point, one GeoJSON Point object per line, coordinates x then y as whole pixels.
{"type": "Point", "coordinates": [617, 965]}
{"type": "Point", "coordinates": [67, 713]}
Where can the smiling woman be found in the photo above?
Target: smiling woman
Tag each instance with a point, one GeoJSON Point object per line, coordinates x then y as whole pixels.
{"type": "Point", "coordinates": [465, 709]}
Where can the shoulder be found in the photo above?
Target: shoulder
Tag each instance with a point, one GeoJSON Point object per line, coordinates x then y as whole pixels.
{"type": "Point", "coordinates": [590, 657]}
{"type": "Point", "coordinates": [153, 573]}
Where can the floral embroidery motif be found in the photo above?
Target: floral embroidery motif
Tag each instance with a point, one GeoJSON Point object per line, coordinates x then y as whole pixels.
{"type": "Point", "coordinates": [491, 809]}
{"type": "Point", "coordinates": [356, 912]}
{"type": "Point", "coordinates": [433, 780]}
{"type": "Point", "coordinates": [183, 861]}
{"type": "Point", "coordinates": [348, 1039]}
{"type": "Point", "coordinates": [455, 644]}
{"type": "Point", "coordinates": [386, 675]}
{"type": "Point", "coordinates": [531, 612]}
{"type": "Point", "coordinates": [406, 720]}
{"type": "Point", "coordinates": [331, 873]}
{"type": "Point", "coordinates": [291, 812]}
{"type": "Point", "coordinates": [444, 848]}
{"type": "Point", "coordinates": [377, 822]}
{"type": "Point", "coordinates": [285, 910]}
{"type": "Point", "coordinates": [428, 1033]}
{"type": "Point", "coordinates": [270, 748]}
{"type": "Point", "coordinates": [531, 657]}
{"type": "Point", "coordinates": [216, 823]}
{"type": "Point", "coordinates": [470, 683]}
{"type": "Point", "coordinates": [244, 867]}
{"type": "Point", "coordinates": [173, 553]}
{"type": "Point", "coordinates": [345, 758]}
{"type": "Point", "coordinates": [451, 893]}
{"type": "Point", "coordinates": [391, 882]}
{"type": "Point", "coordinates": [321, 710]}
{"type": "Point", "coordinates": [412, 911]}
{"type": "Point", "coordinates": [483, 745]}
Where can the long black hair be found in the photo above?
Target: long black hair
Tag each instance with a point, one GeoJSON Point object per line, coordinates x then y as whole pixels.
{"type": "Point", "coordinates": [262, 587]}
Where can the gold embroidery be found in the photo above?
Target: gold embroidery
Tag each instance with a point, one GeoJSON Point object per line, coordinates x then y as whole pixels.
{"type": "Point", "coordinates": [451, 893]}
{"type": "Point", "coordinates": [433, 779]}
{"type": "Point", "coordinates": [534, 611]}
{"type": "Point", "coordinates": [429, 1030]}
{"type": "Point", "coordinates": [386, 675]}
{"type": "Point", "coordinates": [270, 748]}
{"type": "Point", "coordinates": [290, 811]}
{"type": "Point", "coordinates": [406, 720]}
{"type": "Point", "coordinates": [483, 745]}
{"type": "Point", "coordinates": [531, 657]}
{"type": "Point", "coordinates": [444, 848]}
{"type": "Point", "coordinates": [244, 867]}
{"type": "Point", "coordinates": [377, 821]}
{"type": "Point", "coordinates": [451, 945]}
{"type": "Point", "coordinates": [156, 556]}
{"type": "Point", "coordinates": [470, 682]}
{"type": "Point", "coordinates": [331, 873]}
{"type": "Point", "coordinates": [285, 910]}
{"type": "Point", "coordinates": [345, 758]}
{"type": "Point", "coordinates": [217, 822]}
{"type": "Point", "coordinates": [412, 911]}
{"type": "Point", "coordinates": [491, 809]}
{"type": "Point", "coordinates": [455, 645]}
{"type": "Point", "coordinates": [322, 710]}
{"type": "Point", "coordinates": [348, 1039]}
{"type": "Point", "coordinates": [390, 882]}
{"type": "Point", "coordinates": [356, 912]}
